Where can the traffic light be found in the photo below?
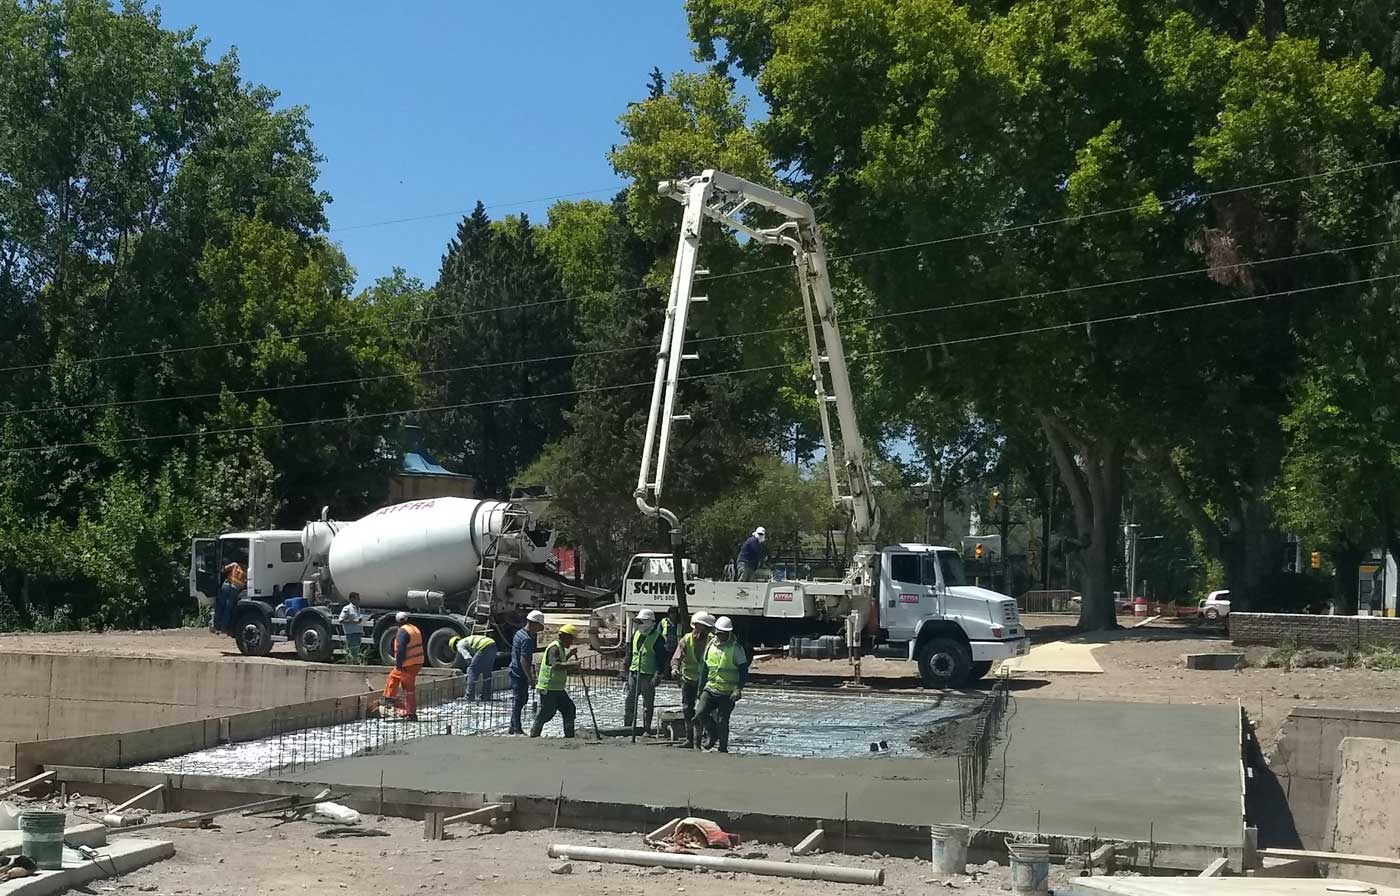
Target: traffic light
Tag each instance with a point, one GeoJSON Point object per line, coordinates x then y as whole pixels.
{"type": "Point", "coordinates": [977, 551]}
{"type": "Point", "coordinates": [992, 501]}
{"type": "Point", "coordinates": [1316, 559]}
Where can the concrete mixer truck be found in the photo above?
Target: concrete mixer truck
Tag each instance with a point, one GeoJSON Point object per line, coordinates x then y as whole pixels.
{"type": "Point", "coordinates": [455, 565]}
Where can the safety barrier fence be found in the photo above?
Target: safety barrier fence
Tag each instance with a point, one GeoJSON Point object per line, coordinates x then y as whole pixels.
{"type": "Point", "coordinates": [976, 756]}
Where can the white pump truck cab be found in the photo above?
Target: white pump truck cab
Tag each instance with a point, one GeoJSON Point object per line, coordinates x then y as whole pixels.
{"type": "Point", "coordinates": [909, 599]}
{"type": "Point", "coordinates": [921, 609]}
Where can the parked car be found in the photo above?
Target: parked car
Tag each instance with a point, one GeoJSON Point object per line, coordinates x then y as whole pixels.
{"type": "Point", "coordinates": [1215, 606]}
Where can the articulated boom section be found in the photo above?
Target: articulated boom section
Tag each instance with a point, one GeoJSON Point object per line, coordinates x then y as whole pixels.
{"type": "Point", "coordinates": [724, 198]}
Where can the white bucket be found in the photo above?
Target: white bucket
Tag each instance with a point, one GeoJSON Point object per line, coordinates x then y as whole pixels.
{"type": "Point", "coordinates": [1030, 866]}
{"type": "Point", "coordinates": [950, 847]}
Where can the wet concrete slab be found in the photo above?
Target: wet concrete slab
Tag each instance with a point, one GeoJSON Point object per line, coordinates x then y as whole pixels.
{"type": "Point", "coordinates": [1111, 769]}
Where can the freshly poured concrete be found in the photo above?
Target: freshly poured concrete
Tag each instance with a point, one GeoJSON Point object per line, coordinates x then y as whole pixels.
{"type": "Point", "coordinates": [1109, 769]}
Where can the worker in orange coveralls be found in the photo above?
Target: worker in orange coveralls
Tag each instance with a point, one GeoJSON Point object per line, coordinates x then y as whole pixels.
{"type": "Point", "coordinates": [408, 659]}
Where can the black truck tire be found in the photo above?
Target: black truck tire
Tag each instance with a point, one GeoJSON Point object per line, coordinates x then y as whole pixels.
{"type": "Point", "coordinates": [313, 639]}
{"type": "Point", "coordinates": [980, 668]}
{"type": "Point", "coordinates": [944, 663]}
{"type": "Point", "coordinates": [253, 634]}
{"type": "Point", "coordinates": [440, 654]}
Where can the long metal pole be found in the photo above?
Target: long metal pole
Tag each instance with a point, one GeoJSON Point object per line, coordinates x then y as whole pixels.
{"type": "Point", "coordinates": [840, 874]}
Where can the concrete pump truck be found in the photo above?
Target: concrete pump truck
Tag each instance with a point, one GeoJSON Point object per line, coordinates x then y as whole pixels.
{"type": "Point", "coordinates": [906, 600]}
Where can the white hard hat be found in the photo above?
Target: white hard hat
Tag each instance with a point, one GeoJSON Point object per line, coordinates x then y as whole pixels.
{"type": "Point", "coordinates": [761, 531]}
{"type": "Point", "coordinates": [703, 618]}
{"type": "Point", "coordinates": [401, 618]}
{"type": "Point", "coordinates": [646, 615]}
{"type": "Point", "coordinates": [535, 616]}
{"type": "Point", "coordinates": [724, 624]}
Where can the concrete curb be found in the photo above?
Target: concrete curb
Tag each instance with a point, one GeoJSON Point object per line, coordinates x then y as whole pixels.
{"type": "Point", "coordinates": [119, 857]}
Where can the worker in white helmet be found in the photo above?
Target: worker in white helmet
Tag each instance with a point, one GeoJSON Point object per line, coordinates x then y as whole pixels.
{"type": "Point", "coordinates": [644, 660]}
{"type": "Point", "coordinates": [685, 667]}
{"type": "Point", "coordinates": [403, 678]}
{"type": "Point", "coordinates": [722, 676]}
{"type": "Point", "coordinates": [751, 555]}
{"type": "Point", "coordinates": [522, 668]}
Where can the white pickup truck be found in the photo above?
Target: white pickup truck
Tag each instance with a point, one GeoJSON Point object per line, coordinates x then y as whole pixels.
{"type": "Point", "coordinates": [921, 608]}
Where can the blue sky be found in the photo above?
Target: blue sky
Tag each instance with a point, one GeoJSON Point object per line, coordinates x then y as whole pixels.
{"type": "Point", "coordinates": [423, 108]}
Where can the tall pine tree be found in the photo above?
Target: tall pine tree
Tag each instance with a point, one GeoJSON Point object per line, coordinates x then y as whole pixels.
{"type": "Point", "coordinates": [497, 310]}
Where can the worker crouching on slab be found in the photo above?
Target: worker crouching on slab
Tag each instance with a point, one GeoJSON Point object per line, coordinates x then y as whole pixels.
{"type": "Point", "coordinates": [476, 658]}
{"type": "Point", "coordinates": [644, 660]}
{"type": "Point", "coordinates": [408, 659]}
{"type": "Point", "coordinates": [685, 668]}
{"type": "Point", "coordinates": [559, 659]}
{"type": "Point", "coordinates": [722, 677]}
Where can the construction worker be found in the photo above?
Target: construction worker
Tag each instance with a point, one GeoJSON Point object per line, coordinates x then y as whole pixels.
{"type": "Point", "coordinates": [670, 634]}
{"type": "Point", "coordinates": [750, 555]}
{"type": "Point", "coordinates": [644, 660]}
{"type": "Point", "coordinates": [235, 583]}
{"type": "Point", "coordinates": [476, 658]}
{"type": "Point", "coordinates": [722, 675]}
{"type": "Point", "coordinates": [559, 658]}
{"type": "Point", "coordinates": [352, 623]}
{"type": "Point", "coordinates": [408, 659]}
{"type": "Point", "coordinates": [685, 667]}
{"type": "Point", "coordinates": [522, 668]}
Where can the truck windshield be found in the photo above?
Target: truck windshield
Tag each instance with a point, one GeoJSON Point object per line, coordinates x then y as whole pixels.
{"type": "Point", "coordinates": [951, 565]}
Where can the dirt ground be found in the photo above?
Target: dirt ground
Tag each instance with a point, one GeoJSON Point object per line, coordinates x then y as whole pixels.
{"type": "Point", "coordinates": [253, 855]}
{"type": "Point", "coordinates": [1139, 665]}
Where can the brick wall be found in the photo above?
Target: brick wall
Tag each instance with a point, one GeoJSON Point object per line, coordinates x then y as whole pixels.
{"type": "Point", "coordinates": [1312, 631]}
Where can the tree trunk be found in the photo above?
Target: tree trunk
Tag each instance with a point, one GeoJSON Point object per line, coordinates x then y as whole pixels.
{"type": "Point", "coordinates": [1346, 563]}
{"type": "Point", "coordinates": [938, 530]}
{"type": "Point", "coordinates": [1091, 467]}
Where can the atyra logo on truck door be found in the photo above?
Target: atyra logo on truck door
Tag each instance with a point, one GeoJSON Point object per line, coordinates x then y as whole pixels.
{"type": "Point", "coordinates": [660, 589]}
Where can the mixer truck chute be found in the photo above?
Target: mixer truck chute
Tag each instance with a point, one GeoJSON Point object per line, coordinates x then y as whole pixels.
{"type": "Point", "coordinates": [908, 599]}
{"type": "Point", "coordinates": [455, 565]}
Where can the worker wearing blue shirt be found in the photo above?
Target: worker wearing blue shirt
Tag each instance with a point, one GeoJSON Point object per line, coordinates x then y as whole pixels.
{"type": "Point", "coordinates": [522, 668]}
{"type": "Point", "coordinates": [750, 555]}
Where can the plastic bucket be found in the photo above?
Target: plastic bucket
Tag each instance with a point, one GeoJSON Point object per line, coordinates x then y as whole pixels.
{"type": "Point", "coordinates": [950, 847]}
{"type": "Point", "coordinates": [294, 605]}
{"type": "Point", "coordinates": [41, 838]}
{"type": "Point", "coordinates": [1030, 867]}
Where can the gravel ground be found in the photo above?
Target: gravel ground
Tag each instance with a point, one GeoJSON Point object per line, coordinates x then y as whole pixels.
{"type": "Point", "coordinates": [249, 856]}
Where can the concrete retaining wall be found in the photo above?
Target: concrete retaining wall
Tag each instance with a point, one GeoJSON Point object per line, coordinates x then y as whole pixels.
{"type": "Point", "coordinates": [1305, 761]}
{"type": "Point", "coordinates": [49, 696]}
{"type": "Point", "coordinates": [1312, 631]}
{"type": "Point", "coordinates": [1365, 807]}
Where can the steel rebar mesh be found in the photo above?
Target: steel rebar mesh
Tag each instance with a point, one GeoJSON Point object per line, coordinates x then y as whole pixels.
{"type": "Point", "coordinates": [977, 754]}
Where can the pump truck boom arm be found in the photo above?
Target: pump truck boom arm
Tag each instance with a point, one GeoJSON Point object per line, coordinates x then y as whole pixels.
{"type": "Point", "coordinates": [724, 199]}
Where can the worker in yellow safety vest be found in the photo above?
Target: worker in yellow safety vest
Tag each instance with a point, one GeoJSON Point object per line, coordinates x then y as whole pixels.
{"type": "Point", "coordinates": [476, 658]}
{"type": "Point", "coordinates": [722, 676]}
{"type": "Point", "coordinates": [553, 680]}
{"type": "Point", "coordinates": [644, 660]}
{"type": "Point", "coordinates": [685, 667]}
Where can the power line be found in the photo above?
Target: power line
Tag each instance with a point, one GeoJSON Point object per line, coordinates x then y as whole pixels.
{"type": "Point", "coordinates": [1070, 325]}
{"type": "Point", "coordinates": [513, 204]}
{"type": "Point", "coordinates": [652, 346]}
{"type": "Point", "coordinates": [707, 278]}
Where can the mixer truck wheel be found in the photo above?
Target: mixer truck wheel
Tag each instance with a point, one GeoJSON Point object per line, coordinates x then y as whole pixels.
{"type": "Point", "coordinates": [439, 649]}
{"type": "Point", "coordinates": [313, 640]}
{"type": "Point", "coordinates": [386, 644]}
{"type": "Point", "coordinates": [980, 670]}
{"type": "Point", "coordinates": [944, 663]}
{"type": "Point", "coordinates": [253, 635]}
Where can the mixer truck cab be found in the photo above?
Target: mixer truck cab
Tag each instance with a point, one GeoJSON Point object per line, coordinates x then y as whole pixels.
{"type": "Point", "coordinates": [956, 632]}
{"type": "Point", "coordinates": [275, 561]}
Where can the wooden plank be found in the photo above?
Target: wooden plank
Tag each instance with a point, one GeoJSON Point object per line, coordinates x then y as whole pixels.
{"type": "Point", "coordinates": [809, 844]}
{"type": "Point", "coordinates": [1216, 868]}
{"type": "Point", "coordinates": [477, 816]}
{"type": "Point", "coordinates": [28, 782]}
{"type": "Point", "coordinates": [664, 831]}
{"type": "Point", "coordinates": [206, 816]}
{"type": "Point", "coordinates": [1336, 858]}
{"type": "Point", "coordinates": [138, 798]}
{"type": "Point", "coordinates": [433, 823]}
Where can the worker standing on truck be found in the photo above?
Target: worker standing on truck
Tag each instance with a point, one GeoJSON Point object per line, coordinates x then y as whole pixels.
{"type": "Point", "coordinates": [522, 668]}
{"type": "Point", "coordinates": [685, 667]}
{"type": "Point", "coordinates": [722, 677]}
{"type": "Point", "coordinates": [408, 659]}
{"type": "Point", "coordinates": [476, 658]}
{"type": "Point", "coordinates": [559, 658]}
{"type": "Point", "coordinates": [750, 555]}
{"type": "Point", "coordinates": [644, 660]}
{"type": "Point", "coordinates": [352, 623]}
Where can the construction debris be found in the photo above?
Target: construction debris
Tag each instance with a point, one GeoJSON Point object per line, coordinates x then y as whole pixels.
{"type": "Point", "coordinates": [660, 860]}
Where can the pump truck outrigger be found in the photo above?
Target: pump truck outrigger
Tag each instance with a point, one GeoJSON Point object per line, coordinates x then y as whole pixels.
{"type": "Point", "coordinates": [910, 600]}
